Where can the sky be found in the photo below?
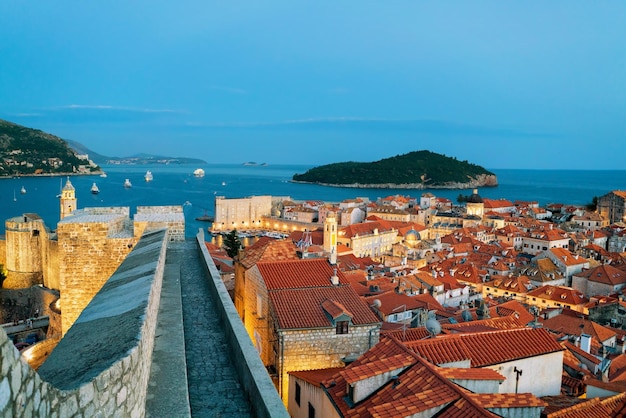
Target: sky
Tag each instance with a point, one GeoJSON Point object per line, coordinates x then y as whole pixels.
{"type": "Point", "coordinates": [501, 84]}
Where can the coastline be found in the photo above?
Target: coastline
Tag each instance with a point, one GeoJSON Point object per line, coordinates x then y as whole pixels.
{"type": "Point", "coordinates": [14, 176]}
{"type": "Point", "coordinates": [413, 186]}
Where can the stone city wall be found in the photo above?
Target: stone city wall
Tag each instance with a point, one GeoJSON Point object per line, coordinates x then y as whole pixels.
{"type": "Point", "coordinates": [3, 252]}
{"type": "Point", "coordinates": [78, 381]}
{"type": "Point", "coordinates": [150, 218]}
{"type": "Point", "coordinates": [89, 252]}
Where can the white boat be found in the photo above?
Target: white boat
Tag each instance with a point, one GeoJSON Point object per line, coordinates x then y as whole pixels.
{"type": "Point", "coordinates": [127, 184]}
{"type": "Point", "coordinates": [148, 176]}
{"type": "Point", "coordinates": [198, 172]}
{"type": "Point", "coordinates": [23, 190]}
{"type": "Point", "coordinates": [103, 175]}
{"type": "Point", "coordinates": [14, 198]}
{"type": "Point", "coordinates": [95, 189]}
{"type": "Point", "coordinates": [223, 183]}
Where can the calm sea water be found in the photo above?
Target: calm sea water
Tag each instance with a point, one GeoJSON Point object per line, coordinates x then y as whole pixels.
{"type": "Point", "coordinates": [175, 185]}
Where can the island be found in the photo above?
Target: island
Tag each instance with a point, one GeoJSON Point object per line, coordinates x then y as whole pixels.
{"type": "Point", "coordinates": [414, 170]}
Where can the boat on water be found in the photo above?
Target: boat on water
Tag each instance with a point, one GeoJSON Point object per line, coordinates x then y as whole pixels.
{"type": "Point", "coordinates": [95, 189]}
{"type": "Point", "coordinates": [127, 184]}
{"type": "Point", "coordinates": [205, 218]}
{"type": "Point", "coordinates": [14, 198]}
{"type": "Point", "coordinates": [148, 176]}
{"type": "Point", "coordinates": [23, 190]}
{"type": "Point", "coordinates": [198, 172]}
{"type": "Point", "coordinates": [103, 175]}
{"type": "Point", "coordinates": [223, 183]}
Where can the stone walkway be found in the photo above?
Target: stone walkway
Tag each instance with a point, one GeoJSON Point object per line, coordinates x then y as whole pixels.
{"type": "Point", "coordinates": [214, 389]}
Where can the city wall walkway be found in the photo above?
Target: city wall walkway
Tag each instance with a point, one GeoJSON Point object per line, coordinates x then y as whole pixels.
{"type": "Point", "coordinates": [197, 370]}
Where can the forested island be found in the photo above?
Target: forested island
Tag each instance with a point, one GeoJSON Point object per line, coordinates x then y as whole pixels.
{"type": "Point", "coordinates": [414, 170]}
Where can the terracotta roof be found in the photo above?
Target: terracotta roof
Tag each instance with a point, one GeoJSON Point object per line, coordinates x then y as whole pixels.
{"type": "Point", "coordinates": [268, 249]}
{"type": "Point", "coordinates": [567, 257]}
{"type": "Point", "coordinates": [605, 274]}
{"type": "Point", "coordinates": [365, 228]}
{"type": "Point", "coordinates": [371, 369]}
{"type": "Point", "coordinates": [577, 324]}
{"type": "Point", "coordinates": [487, 348]}
{"type": "Point", "coordinates": [305, 308]}
{"type": "Point", "coordinates": [507, 400]}
{"type": "Point", "coordinates": [316, 377]}
{"type": "Point", "coordinates": [291, 274]}
{"type": "Point", "coordinates": [612, 406]}
{"type": "Point", "coordinates": [455, 373]}
{"type": "Point", "coordinates": [559, 294]}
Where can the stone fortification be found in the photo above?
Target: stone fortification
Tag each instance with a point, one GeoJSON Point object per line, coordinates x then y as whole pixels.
{"type": "Point", "coordinates": [93, 242]}
{"type": "Point", "coordinates": [110, 381]}
{"type": "Point", "coordinates": [26, 251]}
{"type": "Point", "coordinates": [149, 218]}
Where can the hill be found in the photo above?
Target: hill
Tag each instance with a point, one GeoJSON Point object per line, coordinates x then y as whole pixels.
{"type": "Point", "coordinates": [137, 159]}
{"type": "Point", "coordinates": [26, 151]}
{"type": "Point", "coordinates": [414, 170]}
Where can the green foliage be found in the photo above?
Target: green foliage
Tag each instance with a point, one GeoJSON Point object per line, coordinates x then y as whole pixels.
{"type": "Point", "coordinates": [24, 150]}
{"type": "Point", "coordinates": [231, 243]}
{"type": "Point", "coordinates": [593, 205]}
{"type": "Point", "coordinates": [417, 167]}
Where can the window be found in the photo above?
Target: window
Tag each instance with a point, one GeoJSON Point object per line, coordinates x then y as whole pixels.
{"type": "Point", "coordinates": [311, 411]}
{"type": "Point", "coordinates": [342, 327]}
{"type": "Point", "coordinates": [298, 393]}
{"type": "Point", "coordinates": [259, 306]}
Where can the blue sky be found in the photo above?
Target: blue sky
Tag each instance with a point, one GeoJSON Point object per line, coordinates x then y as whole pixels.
{"type": "Point", "coordinates": [502, 84]}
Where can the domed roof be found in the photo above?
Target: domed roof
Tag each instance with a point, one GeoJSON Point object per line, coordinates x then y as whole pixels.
{"type": "Point", "coordinates": [475, 197]}
{"type": "Point", "coordinates": [68, 185]}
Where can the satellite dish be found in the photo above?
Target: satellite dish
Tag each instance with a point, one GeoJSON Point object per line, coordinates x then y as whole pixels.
{"type": "Point", "coordinates": [377, 303]}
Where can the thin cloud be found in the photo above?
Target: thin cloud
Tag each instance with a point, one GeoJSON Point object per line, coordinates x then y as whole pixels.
{"type": "Point", "coordinates": [115, 108]}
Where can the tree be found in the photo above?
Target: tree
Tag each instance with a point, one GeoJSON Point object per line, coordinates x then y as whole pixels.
{"type": "Point", "coordinates": [232, 243]}
{"type": "Point", "coordinates": [593, 205]}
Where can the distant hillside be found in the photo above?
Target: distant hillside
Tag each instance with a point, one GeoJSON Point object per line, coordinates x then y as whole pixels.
{"type": "Point", "coordinates": [26, 151]}
{"type": "Point", "coordinates": [138, 159]}
{"type": "Point", "coordinates": [416, 170]}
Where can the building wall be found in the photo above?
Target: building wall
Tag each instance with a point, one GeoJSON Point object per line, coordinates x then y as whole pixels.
{"type": "Point", "coordinates": [612, 206]}
{"type": "Point", "coordinates": [541, 375]}
{"type": "Point", "coordinates": [3, 252]}
{"type": "Point", "coordinates": [89, 253]}
{"type": "Point", "coordinates": [371, 245]}
{"type": "Point", "coordinates": [244, 213]}
{"type": "Point", "coordinates": [256, 322]}
{"type": "Point", "coordinates": [26, 242]}
{"type": "Point", "coordinates": [309, 394]}
{"type": "Point", "coordinates": [319, 349]}
{"type": "Point", "coordinates": [152, 218]}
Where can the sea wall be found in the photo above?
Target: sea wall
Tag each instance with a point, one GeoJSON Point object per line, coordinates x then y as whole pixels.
{"type": "Point", "coordinates": [482, 180]}
{"type": "Point", "coordinates": [84, 377]}
{"type": "Point", "coordinates": [255, 380]}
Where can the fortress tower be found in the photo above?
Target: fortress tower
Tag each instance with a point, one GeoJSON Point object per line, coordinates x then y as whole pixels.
{"type": "Point", "coordinates": [330, 237]}
{"type": "Point", "coordinates": [68, 199]}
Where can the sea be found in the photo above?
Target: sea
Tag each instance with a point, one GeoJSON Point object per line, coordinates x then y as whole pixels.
{"type": "Point", "coordinates": [174, 184]}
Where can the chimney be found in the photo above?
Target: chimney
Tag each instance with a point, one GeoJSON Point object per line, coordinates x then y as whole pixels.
{"type": "Point", "coordinates": [585, 342]}
{"type": "Point", "coordinates": [335, 279]}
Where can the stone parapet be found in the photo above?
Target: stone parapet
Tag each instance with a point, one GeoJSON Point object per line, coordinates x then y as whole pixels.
{"type": "Point", "coordinates": [80, 381]}
{"type": "Point", "coordinates": [255, 380]}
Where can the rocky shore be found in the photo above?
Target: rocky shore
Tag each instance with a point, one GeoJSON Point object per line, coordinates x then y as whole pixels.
{"type": "Point", "coordinates": [483, 180]}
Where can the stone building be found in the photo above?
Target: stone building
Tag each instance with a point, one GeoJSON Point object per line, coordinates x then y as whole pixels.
{"type": "Point", "coordinates": [244, 213]}
{"type": "Point", "coordinates": [316, 328]}
{"type": "Point", "coordinates": [612, 206]}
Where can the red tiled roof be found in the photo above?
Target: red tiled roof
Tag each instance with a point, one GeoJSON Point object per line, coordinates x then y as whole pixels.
{"type": "Point", "coordinates": [291, 274]}
{"type": "Point", "coordinates": [316, 377]}
{"type": "Point", "coordinates": [371, 369]}
{"type": "Point", "coordinates": [268, 249]}
{"type": "Point", "coordinates": [507, 400]}
{"type": "Point", "coordinates": [487, 348]}
{"type": "Point", "coordinates": [455, 373]}
{"type": "Point", "coordinates": [303, 308]}
{"type": "Point", "coordinates": [605, 274]}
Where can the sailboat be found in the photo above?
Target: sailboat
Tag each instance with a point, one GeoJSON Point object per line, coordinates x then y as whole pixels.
{"type": "Point", "coordinates": [127, 184]}
{"type": "Point", "coordinates": [14, 198]}
{"type": "Point", "coordinates": [23, 190]}
{"type": "Point", "coordinates": [148, 175]}
{"type": "Point", "coordinates": [94, 189]}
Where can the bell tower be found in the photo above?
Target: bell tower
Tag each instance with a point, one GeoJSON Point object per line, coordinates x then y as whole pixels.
{"type": "Point", "coordinates": [330, 236]}
{"type": "Point", "coordinates": [68, 199]}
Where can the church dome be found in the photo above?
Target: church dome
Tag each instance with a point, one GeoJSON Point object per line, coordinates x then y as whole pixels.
{"type": "Point", "coordinates": [475, 197]}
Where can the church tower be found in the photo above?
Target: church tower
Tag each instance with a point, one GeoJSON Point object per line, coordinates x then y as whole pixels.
{"type": "Point", "coordinates": [68, 199]}
{"type": "Point", "coordinates": [330, 236]}
{"type": "Point", "coordinates": [475, 205]}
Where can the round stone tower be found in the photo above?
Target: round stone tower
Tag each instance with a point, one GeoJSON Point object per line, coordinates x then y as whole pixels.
{"type": "Point", "coordinates": [26, 237]}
